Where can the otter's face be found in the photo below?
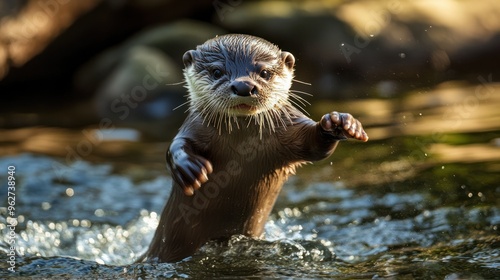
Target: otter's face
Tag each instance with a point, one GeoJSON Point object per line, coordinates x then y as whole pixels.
{"type": "Point", "coordinates": [238, 75]}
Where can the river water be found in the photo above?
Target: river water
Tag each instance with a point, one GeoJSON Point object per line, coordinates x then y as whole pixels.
{"type": "Point", "coordinates": [420, 200]}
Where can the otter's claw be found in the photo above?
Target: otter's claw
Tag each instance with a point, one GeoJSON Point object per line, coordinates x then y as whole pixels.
{"type": "Point", "coordinates": [349, 126]}
{"type": "Point", "coordinates": [189, 171]}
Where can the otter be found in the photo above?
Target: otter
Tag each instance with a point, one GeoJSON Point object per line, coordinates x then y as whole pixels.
{"type": "Point", "coordinates": [243, 137]}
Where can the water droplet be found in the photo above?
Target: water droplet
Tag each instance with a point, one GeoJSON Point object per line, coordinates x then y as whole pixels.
{"type": "Point", "coordinates": [70, 192]}
{"type": "Point", "coordinates": [46, 205]}
{"type": "Point", "coordinates": [11, 222]}
{"type": "Point", "coordinates": [99, 212]}
{"type": "Point", "coordinates": [86, 223]}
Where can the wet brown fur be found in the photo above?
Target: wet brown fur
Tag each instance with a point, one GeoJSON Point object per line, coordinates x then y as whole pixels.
{"type": "Point", "coordinates": [250, 161]}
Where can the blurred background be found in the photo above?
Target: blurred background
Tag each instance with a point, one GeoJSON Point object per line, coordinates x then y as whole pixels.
{"type": "Point", "coordinates": [74, 63]}
{"type": "Point", "coordinates": [96, 81]}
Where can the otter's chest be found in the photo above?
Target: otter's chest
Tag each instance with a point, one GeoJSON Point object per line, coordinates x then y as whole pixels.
{"type": "Point", "coordinates": [249, 151]}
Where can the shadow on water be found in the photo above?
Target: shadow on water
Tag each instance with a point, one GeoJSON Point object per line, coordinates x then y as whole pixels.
{"type": "Point", "coordinates": [420, 200]}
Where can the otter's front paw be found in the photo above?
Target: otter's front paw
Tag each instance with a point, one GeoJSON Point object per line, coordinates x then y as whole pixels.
{"type": "Point", "coordinates": [188, 170]}
{"type": "Point", "coordinates": [349, 126]}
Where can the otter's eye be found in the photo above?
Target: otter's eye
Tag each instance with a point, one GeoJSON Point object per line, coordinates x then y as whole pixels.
{"type": "Point", "coordinates": [217, 74]}
{"type": "Point", "coordinates": [265, 74]}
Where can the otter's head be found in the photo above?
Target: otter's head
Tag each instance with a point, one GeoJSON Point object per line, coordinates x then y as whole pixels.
{"type": "Point", "coordinates": [237, 75]}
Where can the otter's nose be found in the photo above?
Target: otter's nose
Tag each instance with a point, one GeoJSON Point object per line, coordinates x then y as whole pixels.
{"type": "Point", "coordinates": [244, 88]}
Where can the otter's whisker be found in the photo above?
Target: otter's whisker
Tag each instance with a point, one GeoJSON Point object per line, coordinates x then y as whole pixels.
{"type": "Point", "coordinates": [268, 120]}
{"type": "Point", "coordinates": [299, 98]}
{"type": "Point", "coordinates": [235, 119]}
{"type": "Point", "coordinates": [301, 82]}
{"type": "Point", "coordinates": [278, 116]}
{"type": "Point", "coordinates": [261, 122]}
{"type": "Point", "coordinates": [183, 104]}
{"type": "Point", "coordinates": [177, 84]}
{"type": "Point", "coordinates": [301, 92]}
{"type": "Point", "coordinates": [211, 111]}
{"type": "Point", "coordinates": [299, 105]}
{"type": "Point", "coordinates": [270, 112]}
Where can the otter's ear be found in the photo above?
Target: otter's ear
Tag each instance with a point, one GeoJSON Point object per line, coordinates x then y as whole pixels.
{"type": "Point", "coordinates": [188, 58]}
{"type": "Point", "coordinates": [288, 59]}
